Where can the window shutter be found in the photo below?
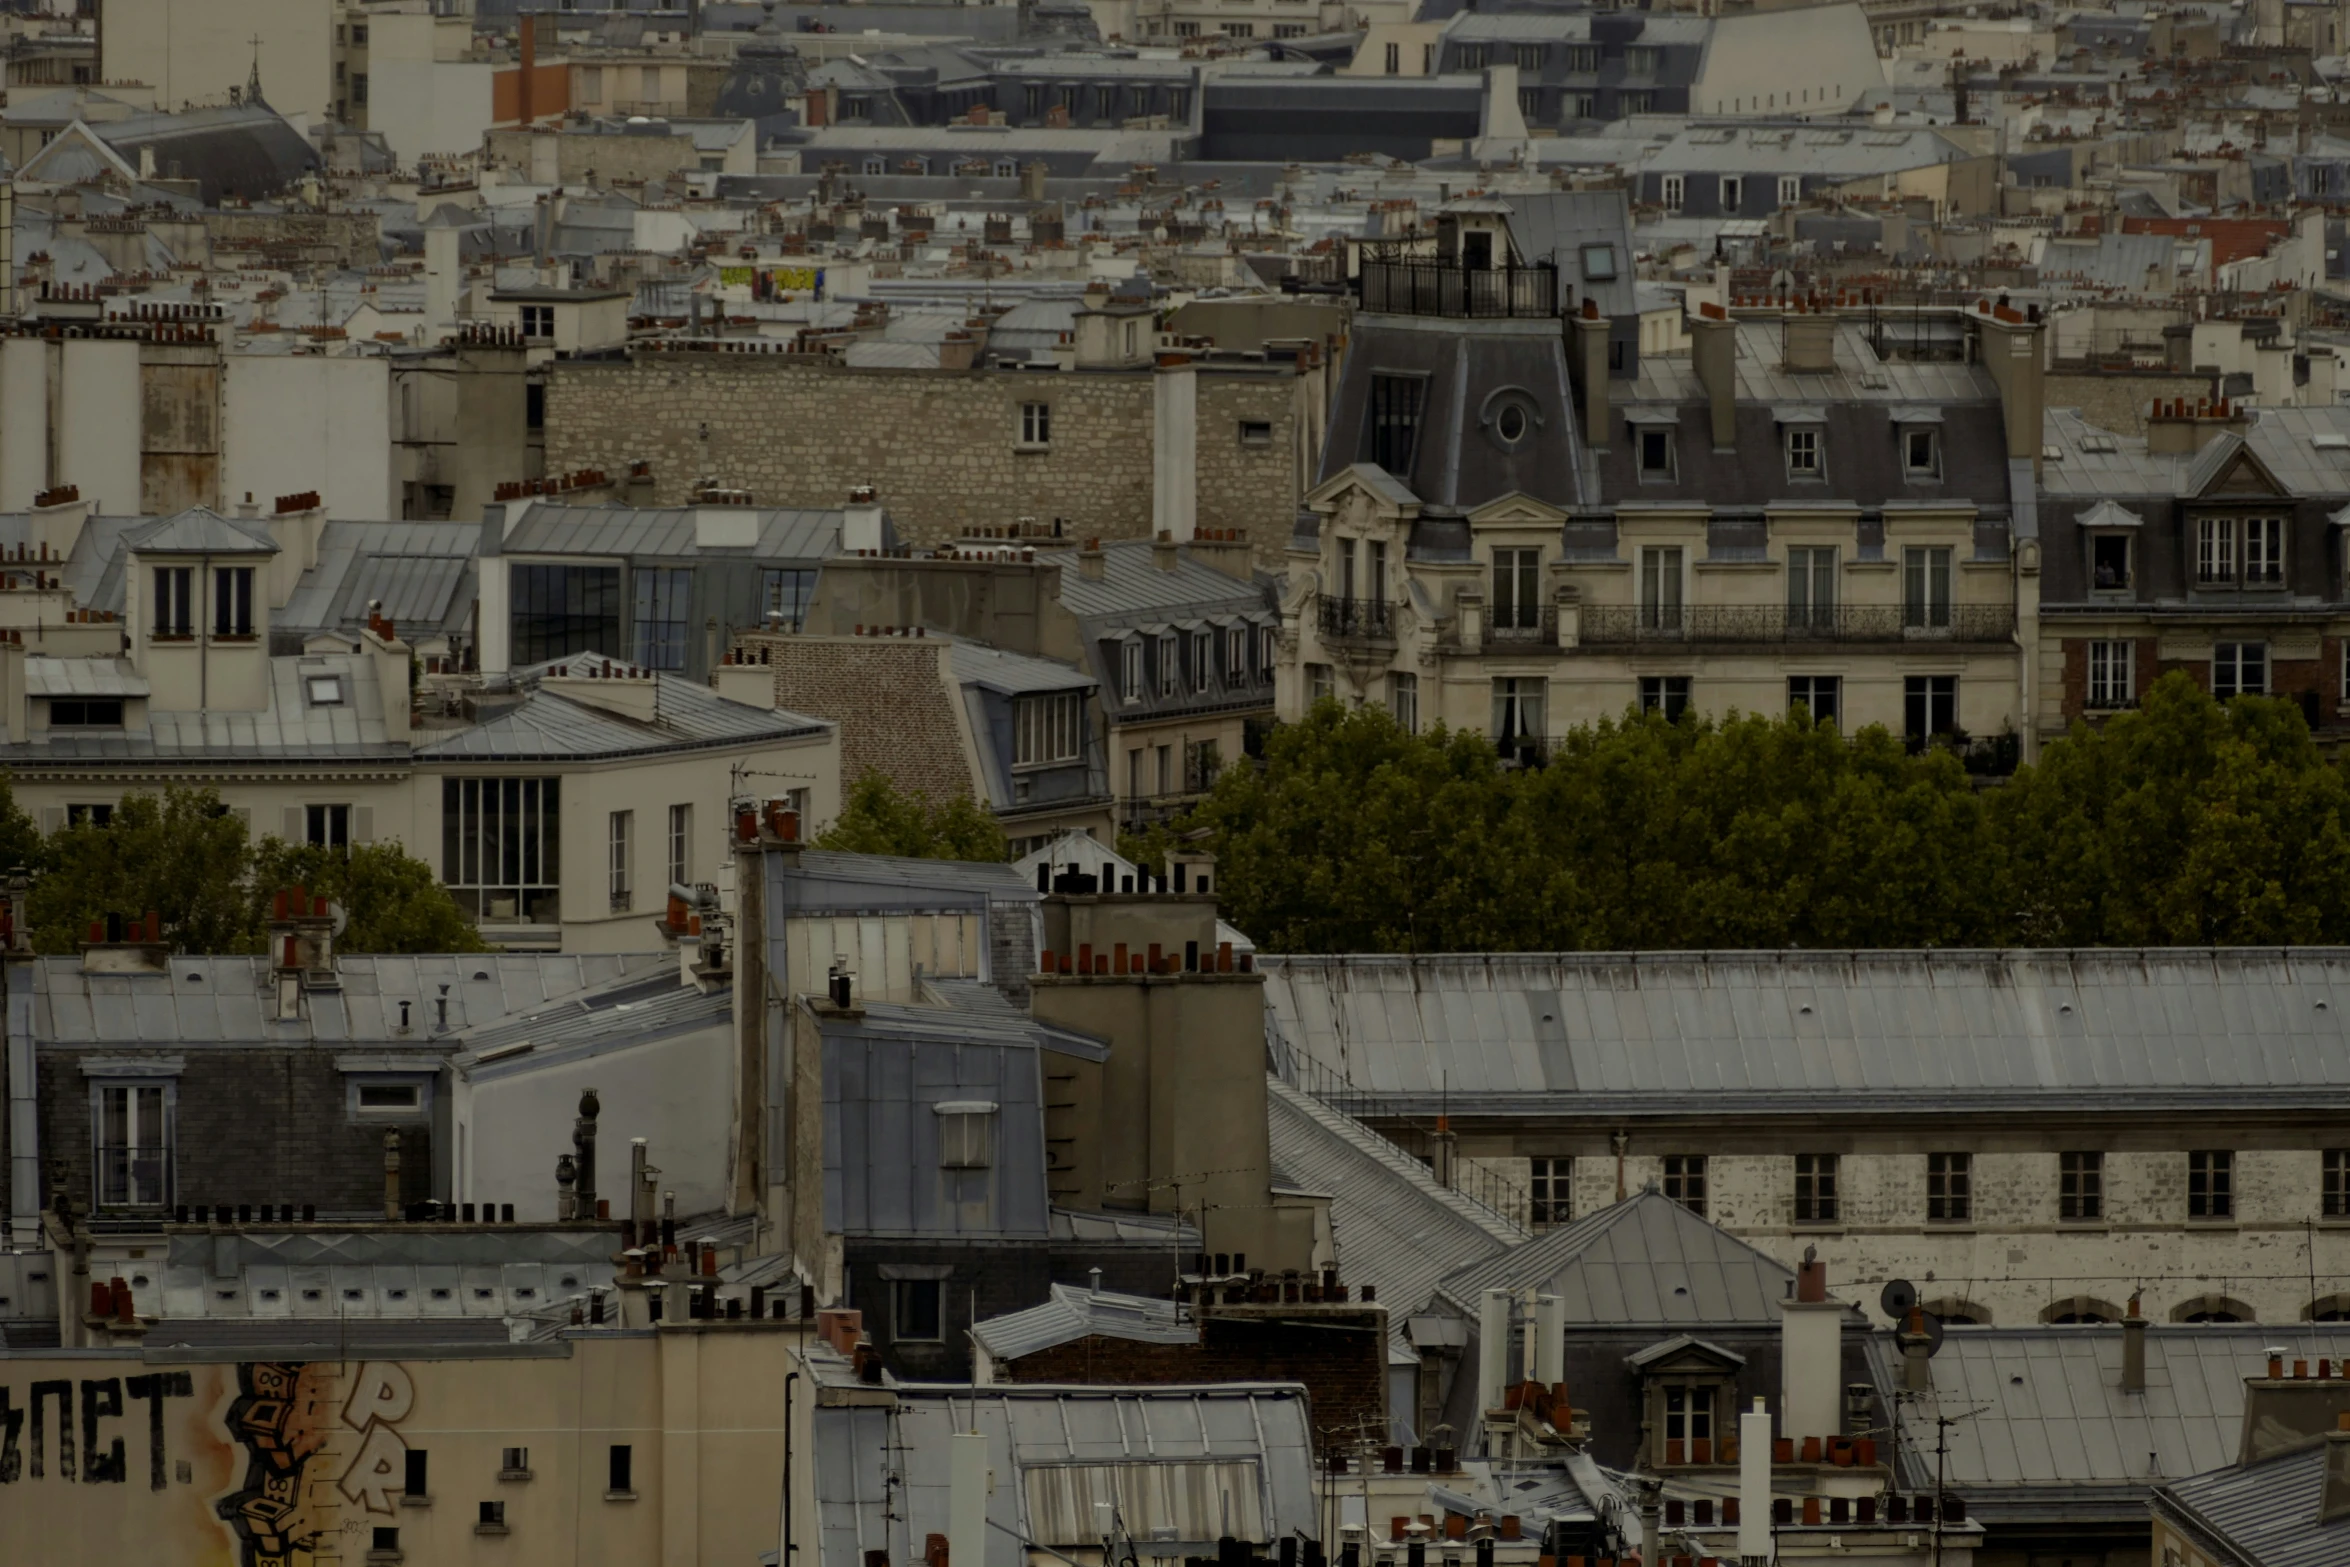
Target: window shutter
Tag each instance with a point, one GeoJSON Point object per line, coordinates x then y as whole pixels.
{"type": "Point", "coordinates": [363, 824]}
{"type": "Point", "coordinates": [296, 828]}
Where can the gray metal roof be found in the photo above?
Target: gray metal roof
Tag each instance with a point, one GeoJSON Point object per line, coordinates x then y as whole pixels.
{"type": "Point", "coordinates": [1555, 225]}
{"type": "Point", "coordinates": [1838, 153]}
{"type": "Point", "coordinates": [784, 533]}
{"type": "Point", "coordinates": [548, 726]}
{"type": "Point", "coordinates": [2098, 462]}
{"type": "Point", "coordinates": [1015, 674]}
{"type": "Point", "coordinates": [311, 1286]}
{"type": "Point", "coordinates": [1394, 1226]}
{"type": "Point", "coordinates": [2047, 1416]}
{"type": "Point", "coordinates": [202, 531]}
{"type": "Point", "coordinates": [1074, 1312]}
{"type": "Point", "coordinates": [232, 1000]}
{"type": "Point", "coordinates": [634, 1011]}
{"type": "Point", "coordinates": [2267, 1511]}
{"type": "Point", "coordinates": [1860, 375]}
{"type": "Point", "coordinates": [882, 1473]}
{"type": "Point", "coordinates": [1508, 1033]}
{"type": "Point", "coordinates": [291, 726]}
{"type": "Point", "coordinates": [420, 571]}
{"type": "Point", "coordinates": [45, 676]}
{"type": "Point", "coordinates": [1134, 590]}
{"type": "Point", "coordinates": [1646, 1261]}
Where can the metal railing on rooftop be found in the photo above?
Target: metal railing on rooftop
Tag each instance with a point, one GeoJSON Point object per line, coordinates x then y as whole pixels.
{"type": "Point", "coordinates": [1421, 287]}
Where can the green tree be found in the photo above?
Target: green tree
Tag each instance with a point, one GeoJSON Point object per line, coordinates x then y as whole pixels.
{"type": "Point", "coordinates": [178, 854]}
{"type": "Point", "coordinates": [2185, 822]}
{"type": "Point", "coordinates": [880, 818]}
{"type": "Point", "coordinates": [393, 901]}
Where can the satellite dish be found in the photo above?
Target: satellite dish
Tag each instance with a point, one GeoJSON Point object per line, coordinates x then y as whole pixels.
{"type": "Point", "coordinates": [1935, 1332]}
{"type": "Point", "coordinates": [1899, 1298]}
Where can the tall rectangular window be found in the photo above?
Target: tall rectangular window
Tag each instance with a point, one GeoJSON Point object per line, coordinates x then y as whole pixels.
{"type": "Point", "coordinates": [1925, 588]}
{"type": "Point", "coordinates": [2239, 669]}
{"type": "Point", "coordinates": [2264, 552]}
{"type": "Point", "coordinates": [664, 615]}
{"type": "Point", "coordinates": [1517, 713]}
{"type": "Point", "coordinates": [557, 611]}
{"type": "Point", "coordinates": [1268, 652]}
{"type": "Point", "coordinates": [1689, 1415]}
{"type": "Point", "coordinates": [1048, 729]}
{"type": "Point", "coordinates": [2211, 1185]}
{"type": "Point", "coordinates": [1820, 695]}
{"type": "Point", "coordinates": [1198, 645]}
{"type": "Point", "coordinates": [1929, 706]}
{"type": "Point", "coordinates": [2080, 1186]}
{"type": "Point", "coordinates": [1790, 189]}
{"type": "Point", "coordinates": [1395, 421]}
{"type": "Point", "coordinates": [1656, 452]}
{"type": "Point", "coordinates": [1527, 56]}
{"type": "Point", "coordinates": [1803, 454]}
{"type": "Point", "coordinates": [1235, 657]}
{"type": "Point", "coordinates": [2335, 1184]}
{"type": "Point", "coordinates": [1671, 189]}
{"type": "Point", "coordinates": [1660, 588]}
{"type": "Point", "coordinates": [501, 849]}
{"type": "Point", "coordinates": [621, 860]}
{"type": "Point", "coordinates": [1666, 694]}
{"type": "Point", "coordinates": [327, 826]}
{"type": "Point", "coordinates": [2215, 550]}
{"type": "Point", "coordinates": [418, 1471]}
{"type": "Point", "coordinates": [1036, 424]}
{"type": "Point", "coordinates": [1130, 669]}
{"type": "Point", "coordinates": [2109, 562]}
{"type": "Point", "coordinates": [1170, 666]}
{"type": "Point", "coordinates": [1950, 1195]}
{"type": "Point", "coordinates": [783, 597]}
{"type": "Point", "coordinates": [1548, 1186]}
{"type": "Point", "coordinates": [1395, 59]}
{"type": "Point", "coordinates": [1517, 590]}
{"type": "Point", "coordinates": [914, 1311]}
{"type": "Point", "coordinates": [1733, 195]}
{"type": "Point", "coordinates": [133, 1144]}
{"type": "Point", "coordinates": [232, 601]}
{"type": "Point", "coordinates": [620, 1470]}
{"type": "Point", "coordinates": [1403, 700]}
{"type": "Point", "coordinates": [1811, 588]}
{"type": "Point", "coordinates": [174, 613]}
{"type": "Point", "coordinates": [1685, 1180]}
{"type": "Point", "coordinates": [2112, 674]}
{"type": "Point", "coordinates": [1815, 1188]}
{"type": "Point", "coordinates": [681, 845]}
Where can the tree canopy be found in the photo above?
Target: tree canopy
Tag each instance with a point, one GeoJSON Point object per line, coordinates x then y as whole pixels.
{"type": "Point", "coordinates": [2187, 821]}
{"type": "Point", "coordinates": [182, 856]}
{"type": "Point", "coordinates": [878, 817]}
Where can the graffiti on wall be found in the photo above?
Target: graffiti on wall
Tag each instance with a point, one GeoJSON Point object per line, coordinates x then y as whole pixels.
{"type": "Point", "coordinates": [288, 1418]}
{"type": "Point", "coordinates": [103, 1458]}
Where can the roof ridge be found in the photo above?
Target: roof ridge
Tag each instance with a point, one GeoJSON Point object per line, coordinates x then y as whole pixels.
{"type": "Point", "coordinates": [1368, 1142]}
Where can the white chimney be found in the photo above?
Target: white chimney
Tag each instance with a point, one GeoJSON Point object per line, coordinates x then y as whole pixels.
{"type": "Point", "coordinates": [860, 521]}
{"type": "Point", "coordinates": [444, 275]}
{"type": "Point", "coordinates": [1811, 1355]}
{"type": "Point", "coordinates": [1550, 1340]}
{"type": "Point", "coordinates": [968, 1482]}
{"type": "Point", "coordinates": [1175, 451]}
{"type": "Point", "coordinates": [1754, 1486]}
{"type": "Point", "coordinates": [1493, 1350]}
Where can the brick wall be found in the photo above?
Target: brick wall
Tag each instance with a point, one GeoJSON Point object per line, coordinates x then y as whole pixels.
{"type": "Point", "coordinates": [940, 446]}
{"type": "Point", "coordinates": [1342, 1363]}
{"type": "Point", "coordinates": [889, 698]}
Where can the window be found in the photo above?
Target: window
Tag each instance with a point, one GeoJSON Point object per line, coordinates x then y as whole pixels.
{"type": "Point", "coordinates": [1395, 59]}
{"type": "Point", "coordinates": [358, 86]}
{"type": "Point", "coordinates": [1170, 667]}
{"type": "Point", "coordinates": [384, 1541]}
{"type": "Point", "coordinates": [1820, 695]}
{"type": "Point", "coordinates": [1047, 729]}
{"type": "Point", "coordinates": [1577, 105]}
{"type": "Point", "coordinates": [413, 1482]}
{"type": "Point", "coordinates": [1268, 651]}
{"type": "Point", "coordinates": [1202, 761]}
{"type": "Point", "coordinates": [2336, 1184]}
{"type": "Point", "coordinates": [1811, 589]}
{"type": "Point", "coordinates": [1530, 102]}
{"type": "Point", "coordinates": [324, 690]}
{"type": "Point", "coordinates": [1733, 193]}
{"type": "Point", "coordinates": [2211, 1178]}
{"type": "Point", "coordinates": [1660, 588]}
{"type": "Point", "coordinates": [85, 713]}
{"type": "Point", "coordinates": [1803, 454]}
{"type": "Point", "coordinates": [1921, 454]}
{"type": "Point", "coordinates": [1130, 669]}
{"type": "Point", "coordinates": [664, 600]}
{"type": "Point", "coordinates": [538, 321]}
{"type": "Point", "coordinates": [783, 597]}
{"type": "Point", "coordinates": [2109, 562]}
{"type": "Point", "coordinates": [966, 1127]}
{"type": "Point", "coordinates": [1790, 189]}
{"type": "Point", "coordinates": [652, 82]}
{"type": "Point", "coordinates": [493, 1517]}
{"type": "Point", "coordinates": [1527, 56]}
{"type": "Point", "coordinates": [1036, 424]}
{"type": "Point", "coordinates": [1321, 685]}
{"type": "Point", "coordinates": [1470, 58]}
{"type": "Point", "coordinates": [1689, 1415]}
{"type": "Point", "coordinates": [1198, 644]}
{"type": "Point", "coordinates": [89, 816]}
{"type": "Point", "coordinates": [1517, 714]}
{"type": "Point", "coordinates": [681, 843]}
{"type": "Point", "coordinates": [1239, 29]}
{"type": "Point", "coordinates": [232, 601]}
{"type": "Point", "coordinates": [1925, 588]}
{"type": "Point", "coordinates": [914, 1311]}
{"type": "Point", "coordinates": [1670, 190]}
{"type": "Point", "coordinates": [2080, 1186]}
{"type": "Point", "coordinates": [1656, 452]}
{"type": "Point", "coordinates": [561, 610]}
{"type": "Point", "coordinates": [1599, 263]}
{"type": "Point", "coordinates": [1666, 694]}
{"type": "Point", "coordinates": [1642, 60]}
{"type": "Point", "coordinates": [1395, 421]}
{"type": "Point", "coordinates": [1815, 1188]}
{"type": "Point", "coordinates": [1950, 1188]}
{"type": "Point", "coordinates": [2239, 669]}
{"type": "Point", "coordinates": [1685, 1181]}
{"type": "Point", "coordinates": [1548, 1186]}
{"type": "Point", "coordinates": [1638, 103]}
{"type": "Point", "coordinates": [1033, 98]}
{"type": "Point", "coordinates": [1517, 589]}
{"type": "Point", "coordinates": [1929, 706]}
{"type": "Point", "coordinates": [2215, 551]}
{"type": "Point", "coordinates": [1235, 656]}
{"type": "Point", "coordinates": [1105, 103]}
{"type": "Point", "coordinates": [620, 861]}
{"type": "Point", "coordinates": [387, 1098]}
{"type": "Point", "coordinates": [174, 613]}
{"type": "Point", "coordinates": [327, 826]}
{"type": "Point", "coordinates": [2264, 552]}
{"type": "Point", "coordinates": [1403, 702]}
{"type": "Point", "coordinates": [1166, 761]}
{"type": "Point", "coordinates": [2112, 674]}
{"type": "Point", "coordinates": [620, 1470]}
{"type": "Point", "coordinates": [1256, 432]}
{"type": "Point", "coordinates": [1582, 57]}
{"type": "Point", "coordinates": [501, 847]}
{"type": "Point", "coordinates": [514, 1463]}
{"type": "Point", "coordinates": [133, 1145]}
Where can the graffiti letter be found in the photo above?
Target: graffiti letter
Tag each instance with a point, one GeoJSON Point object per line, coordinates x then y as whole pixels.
{"type": "Point", "coordinates": [11, 1422]}
{"type": "Point", "coordinates": [380, 1468]}
{"type": "Point", "coordinates": [155, 1389]}
{"type": "Point", "coordinates": [381, 1391]}
{"type": "Point", "coordinates": [101, 1400]}
{"type": "Point", "coordinates": [64, 1392]}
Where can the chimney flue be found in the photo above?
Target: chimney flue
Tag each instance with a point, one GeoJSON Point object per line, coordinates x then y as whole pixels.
{"type": "Point", "coordinates": [2133, 1350]}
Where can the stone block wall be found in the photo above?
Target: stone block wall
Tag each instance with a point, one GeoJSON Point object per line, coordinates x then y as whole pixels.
{"type": "Point", "coordinates": [942, 447]}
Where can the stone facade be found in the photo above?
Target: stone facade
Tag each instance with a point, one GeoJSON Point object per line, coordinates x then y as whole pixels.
{"type": "Point", "coordinates": [891, 698]}
{"type": "Point", "coordinates": [944, 448]}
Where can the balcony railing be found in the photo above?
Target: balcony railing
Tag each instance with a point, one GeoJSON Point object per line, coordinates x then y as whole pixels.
{"type": "Point", "coordinates": [1611, 624]}
{"type": "Point", "coordinates": [1355, 620]}
{"type": "Point", "coordinates": [1420, 287]}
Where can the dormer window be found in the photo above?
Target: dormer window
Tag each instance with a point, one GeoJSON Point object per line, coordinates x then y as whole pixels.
{"type": "Point", "coordinates": [1655, 444]}
{"type": "Point", "coordinates": [1921, 454]}
{"type": "Point", "coordinates": [175, 614]}
{"type": "Point", "coordinates": [1803, 454]}
{"type": "Point", "coordinates": [232, 601]}
{"type": "Point", "coordinates": [1130, 670]}
{"type": "Point", "coordinates": [85, 712]}
{"type": "Point", "coordinates": [325, 690]}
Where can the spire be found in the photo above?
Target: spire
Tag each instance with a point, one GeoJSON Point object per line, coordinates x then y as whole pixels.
{"type": "Point", "coordinates": [253, 81]}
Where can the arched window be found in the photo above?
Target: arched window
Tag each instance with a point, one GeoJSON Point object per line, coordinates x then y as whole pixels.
{"type": "Point", "coordinates": [2081, 1309]}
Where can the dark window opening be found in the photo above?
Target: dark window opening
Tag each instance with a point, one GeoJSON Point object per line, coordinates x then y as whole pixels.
{"type": "Point", "coordinates": [1395, 421]}
{"type": "Point", "coordinates": [418, 1472]}
{"type": "Point", "coordinates": [85, 713]}
{"type": "Point", "coordinates": [622, 1468]}
{"type": "Point", "coordinates": [915, 1311]}
{"type": "Point", "coordinates": [561, 610]}
{"type": "Point", "coordinates": [1666, 694]}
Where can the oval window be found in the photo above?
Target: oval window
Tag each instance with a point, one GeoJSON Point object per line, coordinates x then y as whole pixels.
{"type": "Point", "coordinates": [1510, 425]}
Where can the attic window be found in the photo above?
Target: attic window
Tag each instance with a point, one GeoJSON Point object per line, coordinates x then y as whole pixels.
{"type": "Point", "coordinates": [966, 1134]}
{"type": "Point", "coordinates": [1599, 263]}
{"type": "Point", "coordinates": [2331, 443]}
{"type": "Point", "coordinates": [324, 690]}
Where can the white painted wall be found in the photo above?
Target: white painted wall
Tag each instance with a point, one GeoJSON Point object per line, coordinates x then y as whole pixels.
{"type": "Point", "coordinates": [298, 422]}
{"type": "Point", "coordinates": [98, 424]}
{"type": "Point", "coordinates": [24, 426]}
{"type": "Point", "coordinates": [196, 50]}
{"type": "Point", "coordinates": [1788, 62]}
{"type": "Point", "coordinates": [420, 104]}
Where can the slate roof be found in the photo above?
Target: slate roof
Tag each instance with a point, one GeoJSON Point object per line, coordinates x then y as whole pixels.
{"type": "Point", "coordinates": [1798, 1032]}
{"type": "Point", "coordinates": [421, 571]}
{"type": "Point", "coordinates": [1015, 674]}
{"type": "Point", "coordinates": [549, 726]}
{"type": "Point", "coordinates": [1074, 1312]}
{"type": "Point", "coordinates": [1133, 591]}
{"type": "Point", "coordinates": [291, 727]}
{"type": "Point", "coordinates": [2100, 463]}
{"type": "Point", "coordinates": [2268, 1512]}
{"type": "Point", "coordinates": [1646, 1261]}
{"type": "Point", "coordinates": [784, 533]}
{"type": "Point", "coordinates": [1555, 225]}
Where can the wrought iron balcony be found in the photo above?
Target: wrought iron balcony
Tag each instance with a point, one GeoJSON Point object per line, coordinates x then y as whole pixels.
{"type": "Point", "coordinates": [1355, 620]}
{"type": "Point", "coordinates": [1603, 625]}
{"type": "Point", "coordinates": [1422, 286]}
